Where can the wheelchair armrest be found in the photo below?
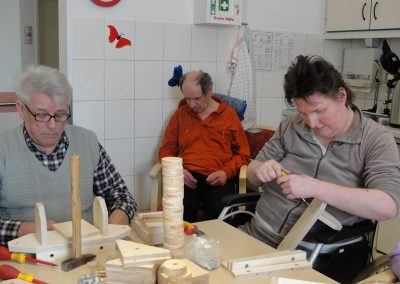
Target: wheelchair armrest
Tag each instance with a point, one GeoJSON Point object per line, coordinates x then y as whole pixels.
{"type": "Point", "coordinates": [329, 236]}
{"type": "Point", "coordinates": [232, 199]}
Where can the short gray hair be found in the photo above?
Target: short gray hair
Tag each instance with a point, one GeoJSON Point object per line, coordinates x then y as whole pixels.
{"type": "Point", "coordinates": [43, 79]}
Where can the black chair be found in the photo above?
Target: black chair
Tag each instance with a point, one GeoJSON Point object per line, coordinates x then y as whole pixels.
{"type": "Point", "coordinates": [340, 255]}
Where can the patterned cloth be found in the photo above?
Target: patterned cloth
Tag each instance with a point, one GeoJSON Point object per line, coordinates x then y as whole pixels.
{"type": "Point", "coordinates": [240, 69]}
{"type": "Point", "coordinates": [107, 183]}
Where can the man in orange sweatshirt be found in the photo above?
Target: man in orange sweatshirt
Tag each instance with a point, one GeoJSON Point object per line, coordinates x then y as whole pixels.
{"type": "Point", "coordinates": [207, 134]}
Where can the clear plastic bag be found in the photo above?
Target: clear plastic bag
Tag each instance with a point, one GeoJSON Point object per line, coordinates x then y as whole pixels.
{"type": "Point", "coordinates": [204, 251]}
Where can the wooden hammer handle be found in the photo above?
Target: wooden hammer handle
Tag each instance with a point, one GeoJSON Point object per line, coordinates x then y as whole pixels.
{"type": "Point", "coordinates": [76, 207]}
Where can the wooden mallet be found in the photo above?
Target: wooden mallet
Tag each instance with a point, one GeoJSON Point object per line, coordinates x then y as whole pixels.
{"type": "Point", "coordinates": [78, 258]}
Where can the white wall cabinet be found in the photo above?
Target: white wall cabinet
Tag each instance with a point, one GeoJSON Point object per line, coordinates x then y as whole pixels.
{"type": "Point", "coordinates": [357, 17]}
{"type": "Point", "coordinates": [345, 15]}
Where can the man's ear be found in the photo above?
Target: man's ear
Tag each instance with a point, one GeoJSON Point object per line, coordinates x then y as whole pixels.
{"type": "Point", "coordinates": [20, 108]}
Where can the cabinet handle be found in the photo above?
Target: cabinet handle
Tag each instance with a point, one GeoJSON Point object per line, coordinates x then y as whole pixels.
{"type": "Point", "coordinates": [362, 11]}
{"type": "Point", "coordinates": [376, 4]}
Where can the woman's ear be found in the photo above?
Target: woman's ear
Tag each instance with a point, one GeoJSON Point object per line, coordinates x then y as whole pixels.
{"type": "Point", "coordinates": [342, 94]}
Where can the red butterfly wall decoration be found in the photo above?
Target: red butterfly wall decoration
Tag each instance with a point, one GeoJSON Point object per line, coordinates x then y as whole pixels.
{"type": "Point", "coordinates": [114, 35]}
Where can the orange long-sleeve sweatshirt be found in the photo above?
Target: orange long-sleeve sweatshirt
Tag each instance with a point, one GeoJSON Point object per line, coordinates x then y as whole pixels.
{"type": "Point", "coordinates": [205, 146]}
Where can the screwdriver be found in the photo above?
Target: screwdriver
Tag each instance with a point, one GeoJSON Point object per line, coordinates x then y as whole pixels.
{"type": "Point", "coordinates": [10, 272]}
{"type": "Point", "coordinates": [5, 254]}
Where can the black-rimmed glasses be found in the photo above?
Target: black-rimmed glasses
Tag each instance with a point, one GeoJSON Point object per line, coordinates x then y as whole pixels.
{"type": "Point", "coordinates": [44, 117]}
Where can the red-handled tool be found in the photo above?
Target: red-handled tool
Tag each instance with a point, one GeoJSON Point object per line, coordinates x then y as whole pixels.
{"type": "Point", "coordinates": [10, 272]}
{"type": "Point", "coordinates": [190, 229]}
{"type": "Point", "coordinates": [5, 254]}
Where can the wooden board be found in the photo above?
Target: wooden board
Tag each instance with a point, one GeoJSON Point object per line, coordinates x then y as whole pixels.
{"type": "Point", "coordinates": [267, 259]}
{"type": "Point", "coordinates": [264, 270]}
{"type": "Point", "coordinates": [41, 224]}
{"type": "Point", "coordinates": [303, 225]}
{"type": "Point", "coordinates": [282, 280]}
{"type": "Point", "coordinates": [87, 229]}
{"type": "Point", "coordinates": [100, 215]}
{"type": "Point", "coordinates": [29, 243]}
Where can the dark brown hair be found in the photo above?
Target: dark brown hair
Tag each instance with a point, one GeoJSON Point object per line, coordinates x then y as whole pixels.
{"type": "Point", "coordinates": [310, 74]}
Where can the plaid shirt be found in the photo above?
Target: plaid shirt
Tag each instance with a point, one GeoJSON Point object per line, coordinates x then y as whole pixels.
{"type": "Point", "coordinates": [107, 183]}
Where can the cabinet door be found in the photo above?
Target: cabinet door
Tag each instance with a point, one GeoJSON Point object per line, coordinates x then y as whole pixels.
{"type": "Point", "coordinates": [348, 15]}
{"type": "Point", "coordinates": [385, 14]}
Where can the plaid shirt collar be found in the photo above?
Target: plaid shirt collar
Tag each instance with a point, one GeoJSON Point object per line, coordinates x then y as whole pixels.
{"type": "Point", "coordinates": [52, 161]}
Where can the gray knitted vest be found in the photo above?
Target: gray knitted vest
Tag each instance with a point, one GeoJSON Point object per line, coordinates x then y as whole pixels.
{"type": "Point", "coordinates": [24, 181]}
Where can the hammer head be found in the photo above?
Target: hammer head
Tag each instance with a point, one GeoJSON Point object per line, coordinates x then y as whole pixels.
{"type": "Point", "coordinates": [75, 262]}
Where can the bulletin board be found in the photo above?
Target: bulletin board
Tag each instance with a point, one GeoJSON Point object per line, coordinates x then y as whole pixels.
{"type": "Point", "coordinates": [273, 50]}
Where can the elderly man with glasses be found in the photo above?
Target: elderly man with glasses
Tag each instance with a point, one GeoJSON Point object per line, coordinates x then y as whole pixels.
{"type": "Point", "coordinates": [34, 160]}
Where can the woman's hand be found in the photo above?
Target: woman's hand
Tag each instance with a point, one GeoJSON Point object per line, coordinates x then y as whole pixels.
{"type": "Point", "coordinates": [265, 171]}
{"type": "Point", "coordinates": [297, 186]}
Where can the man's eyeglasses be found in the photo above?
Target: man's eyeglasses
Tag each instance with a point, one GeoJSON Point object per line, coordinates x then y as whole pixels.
{"type": "Point", "coordinates": [44, 117]}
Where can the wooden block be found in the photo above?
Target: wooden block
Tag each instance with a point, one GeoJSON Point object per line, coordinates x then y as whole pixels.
{"type": "Point", "coordinates": [131, 251]}
{"type": "Point", "coordinates": [199, 275]}
{"type": "Point", "coordinates": [151, 215]}
{"type": "Point", "coordinates": [147, 236]}
{"type": "Point", "coordinates": [87, 229]}
{"type": "Point", "coordinates": [173, 268]}
{"type": "Point", "coordinates": [117, 273]}
{"type": "Point", "coordinates": [145, 261]}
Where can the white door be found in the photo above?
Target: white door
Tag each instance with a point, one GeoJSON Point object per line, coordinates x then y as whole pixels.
{"type": "Point", "coordinates": [385, 14]}
{"type": "Point", "coordinates": [347, 15]}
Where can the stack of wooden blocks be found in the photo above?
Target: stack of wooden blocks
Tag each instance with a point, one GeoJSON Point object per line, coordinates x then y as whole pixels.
{"type": "Point", "coordinates": [172, 201]}
{"type": "Point", "coordinates": [149, 227]}
{"type": "Point", "coordinates": [138, 263]}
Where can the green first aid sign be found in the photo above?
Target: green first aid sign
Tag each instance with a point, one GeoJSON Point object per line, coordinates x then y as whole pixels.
{"type": "Point", "coordinates": [224, 5]}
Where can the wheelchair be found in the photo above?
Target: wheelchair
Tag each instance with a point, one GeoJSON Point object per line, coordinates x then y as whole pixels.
{"type": "Point", "coordinates": [340, 255]}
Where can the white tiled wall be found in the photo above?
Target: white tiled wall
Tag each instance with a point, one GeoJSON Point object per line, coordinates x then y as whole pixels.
{"type": "Point", "coordinates": [122, 94]}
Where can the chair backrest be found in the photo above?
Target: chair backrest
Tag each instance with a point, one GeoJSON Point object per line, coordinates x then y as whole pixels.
{"type": "Point", "coordinates": [257, 136]}
{"type": "Point", "coordinates": [237, 104]}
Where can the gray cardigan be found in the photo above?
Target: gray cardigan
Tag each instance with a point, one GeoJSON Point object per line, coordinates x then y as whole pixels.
{"type": "Point", "coordinates": [366, 157]}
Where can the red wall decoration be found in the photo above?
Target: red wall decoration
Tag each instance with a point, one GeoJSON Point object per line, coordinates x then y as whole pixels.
{"type": "Point", "coordinates": [105, 3]}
